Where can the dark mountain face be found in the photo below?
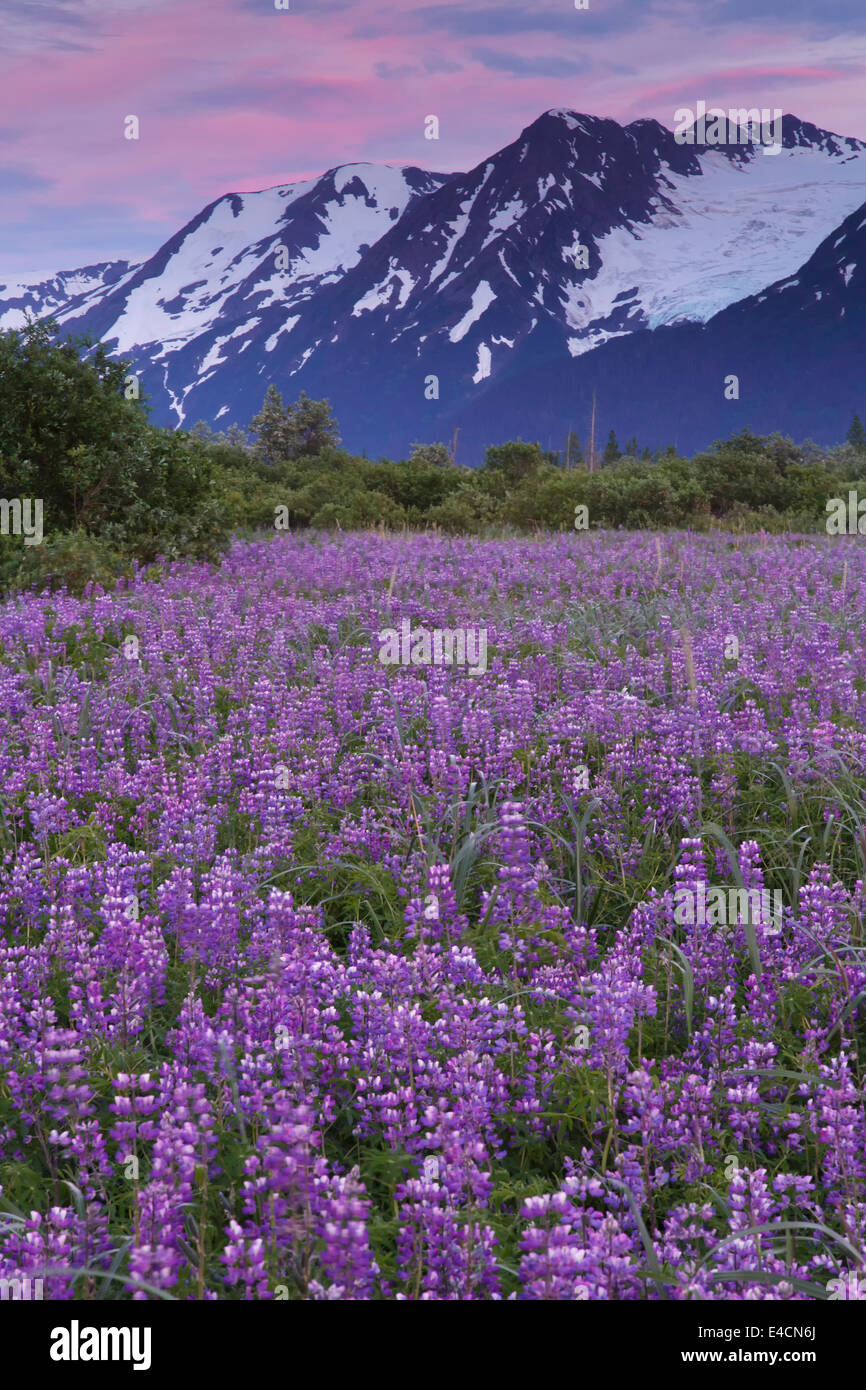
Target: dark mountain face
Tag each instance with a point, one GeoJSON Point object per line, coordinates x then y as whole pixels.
{"type": "Point", "coordinates": [583, 254]}
{"type": "Point", "coordinates": [68, 290]}
{"type": "Point", "coordinates": [796, 349]}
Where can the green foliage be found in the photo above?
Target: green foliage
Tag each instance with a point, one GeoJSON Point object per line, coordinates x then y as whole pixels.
{"type": "Point", "coordinates": [856, 435]}
{"type": "Point", "coordinates": [361, 510]}
{"type": "Point", "coordinates": [235, 437]}
{"type": "Point", "coordinates": [573, 456]}
{"type": "Point", "coordinates": [611, 450]}
{"type": "Point", "coordinates": [548, 499]}
{"type": "Point", "coordinates": [747, 469]}
{"type": "Point", "coordinates": [515, 460]}
{"type": "Point", "coordinates": [116, 490]}
{"type": "Point", "coordinates": [70, 437]}
{"type": "Point", "coordinates": [286, 432]}
{"type": "Point", "coordinates": [435, 455]}
{"type": "Point", "coordinates": [71, 560]}
{"type": "Point", "coordinates": [807, 489]}
{"type": "Point", "coordinates": [466, 511]}
{"type": "Point", "coordinates": [844, 461]}
{"type": "Point", "coordinates": [417, 485]}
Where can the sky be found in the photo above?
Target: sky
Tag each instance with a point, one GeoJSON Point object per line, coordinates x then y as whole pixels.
{"type": "Point", "coordinates": [235, 95]}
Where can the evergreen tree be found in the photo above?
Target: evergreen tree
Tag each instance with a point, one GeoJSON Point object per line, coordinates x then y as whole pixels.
{"type": "Point", "coordinates": [611, 450]}
{"type": "Point", "coordinates": [293, 431]}
{"type": "Point", "coordinates": [856, 436]}
{"type": "Point", "coordinates": [235, 436]}
{"type": "Point", "coordinates": [271, 426]}
{"type": "Point", "coordinates": [631, 449]}
{"type": "Point", "coordinates": [314, 427]}
{"type": "Point", "coordinates": [573, 451]}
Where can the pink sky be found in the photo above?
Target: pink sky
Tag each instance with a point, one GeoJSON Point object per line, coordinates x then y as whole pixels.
{"type": "Point", "coordinates": [234, 94]}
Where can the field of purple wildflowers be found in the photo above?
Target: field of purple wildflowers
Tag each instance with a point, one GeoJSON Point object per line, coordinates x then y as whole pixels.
{"type": "Point", "coordinates": [324, 978]}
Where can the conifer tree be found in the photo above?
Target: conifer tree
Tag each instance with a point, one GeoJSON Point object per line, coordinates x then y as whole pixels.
{"type": "Point", "coordinates": [573, 451]}
{"type": "Point", "coordinates": [611, 450]}
{"type": "Point", "coordinates": [856, 436]}
{"type": "Point", "coordinates": [293, 431]}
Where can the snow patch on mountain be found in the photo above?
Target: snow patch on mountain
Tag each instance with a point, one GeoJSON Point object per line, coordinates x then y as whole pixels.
{"type": "Point", "coordinates": [482, 298]}
{"type": "Point", "coordinates": [454, 235]}
{"type": "Point", "coordinates": [485, 361]}
{"type": "Point", "coordinates": [731, 232]}
{"type": "Point", "coordinates": [214, 357]}
{"type": "Point", "coordinates": [383, 293]}
{"type": "Point", "coordinates": [248, 252]}
{"type": "Point", "coordinates": [284, 328]}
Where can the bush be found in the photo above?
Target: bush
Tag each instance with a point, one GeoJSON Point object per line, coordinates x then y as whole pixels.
{"type": "Point", "coordinates": [427, 455]}
{"type": "Point", "coordinates": [548, 499]}
{"type": "Point", "coordinates": [466, 511]}
{"type": "Point", "coordinates": [514, 460]}
{"type": "Point", "coordinates": [361, 510]}
{"type": "Point", "coordinates": [70, 437]}
{"type": "Point", "coordinates": [416, 483]}
{"type": "Point", "coordinates": [747, 469]}
{"type": "Point", "coordinates": [70, 560]}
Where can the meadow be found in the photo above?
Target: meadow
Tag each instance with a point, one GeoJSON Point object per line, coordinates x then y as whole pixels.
{"type": "Point", "coordinates": [325, 978]}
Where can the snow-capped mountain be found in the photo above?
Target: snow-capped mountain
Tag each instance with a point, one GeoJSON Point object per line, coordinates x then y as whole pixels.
{"type": "Point", "coordinates": [239, 273]}
{"type": "Point", "coordinates": [413, 300]}
{"type": "Point", "coordinates": [671, 232]}
{"type": "Point", "coordinates": [796, 349]}
{"type": "Point", "coordinates": [69, 291]}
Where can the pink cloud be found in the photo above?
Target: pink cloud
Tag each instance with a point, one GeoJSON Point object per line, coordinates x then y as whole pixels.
{"type": "Point", "coordinates": [231, 99]}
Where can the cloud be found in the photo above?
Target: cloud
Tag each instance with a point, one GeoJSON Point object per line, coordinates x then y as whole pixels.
{"type": "Point", "coordinates": [36, 13]}
{"type": "Point", "coordinates": [34, 26]}
{"type": "Point", "coordinates": [559, 19]}
{"type": "Point", "coordinates": [437, 64]}
{"type": "Point", "coordinates": [229, 101]}
{"type": "Point", "coordinates": [529, 67]}
{"type": "Point", "coordinates": [21, 180]}
{"type": "Point", "coordinates": [825, 16]}
{"type": "Point", "coordinates": [392, 72]}
{"type": "Point", "coordinates": [433, 65]}
{"type": "Point", "coordinates": [297, 7]}
{"type": "Point", "coordinates": [84, 235]}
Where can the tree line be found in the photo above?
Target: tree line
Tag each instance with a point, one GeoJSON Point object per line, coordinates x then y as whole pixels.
{"type": "Point", "coordinates": [118, 491]}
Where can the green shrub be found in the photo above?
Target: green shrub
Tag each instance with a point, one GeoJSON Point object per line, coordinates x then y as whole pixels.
{"type": "Point", "coordinates": [547, 499]}
{"type": "Point", "coordinates": [116, 489]}
{"type": "Point", "coordinates": [514, 460]}
{"type": "Point", "coordinates": [360, 510]}
{"type": "Point", "coordinates": [70, 560]}
{"type": "Point", "coordinates": [467, 511]}
{"type": "Point", "coordinates": [70, 436]}
{"type": "Point", "coordinates": [416, 483]}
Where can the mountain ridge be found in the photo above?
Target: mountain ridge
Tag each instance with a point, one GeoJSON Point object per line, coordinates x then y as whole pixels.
{"type": "Point", "coordinates": [377, 285]}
